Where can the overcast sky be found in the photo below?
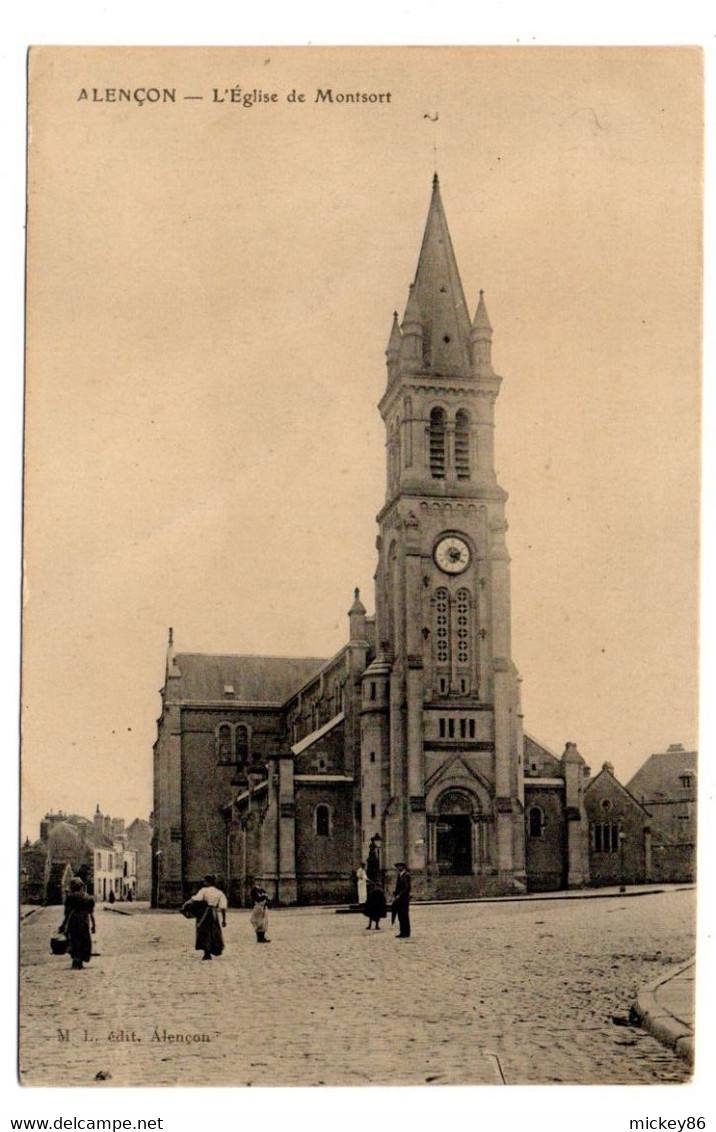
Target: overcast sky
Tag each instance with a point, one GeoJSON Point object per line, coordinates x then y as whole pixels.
{"type": "Point", "coordinates": [210, 293]}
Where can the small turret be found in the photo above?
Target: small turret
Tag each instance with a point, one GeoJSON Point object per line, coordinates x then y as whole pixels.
{"type": "Point", "coordinates": [411, 343]}
{"type": "Point", "coordinates": [481, 339]}
{"type": "Point", "coordinates": [393, 348]}
{"type": "Point", "coordinates": [356, 618]}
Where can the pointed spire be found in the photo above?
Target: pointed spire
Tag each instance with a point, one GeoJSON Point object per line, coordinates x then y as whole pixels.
{"type": "Point", "coordinates": [438, 294]}
{"type": "Point", "coordinates": [481, 339]}
{"type": "Point", "coordinates": [481, 320]}
{"type": "Point", "coordinates": [393, 348]}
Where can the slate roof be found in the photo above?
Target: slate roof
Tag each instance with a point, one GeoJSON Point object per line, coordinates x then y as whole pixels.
{"type": "Point", "coordinates": [255, 679]}
{"type": "Point", "coordinates": [535, 751]}
{"type": "Point", "coordinates": [439, 295]}
{"type": "Point", "coordinates": [659, 776]}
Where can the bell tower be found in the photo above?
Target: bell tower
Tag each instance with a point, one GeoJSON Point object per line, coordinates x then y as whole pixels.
{"type": "Point", "coordinates": [447, 721]}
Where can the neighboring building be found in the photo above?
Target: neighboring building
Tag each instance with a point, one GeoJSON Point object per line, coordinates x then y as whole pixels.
{"type": "Point", "coordinates": [57, 881]}
{"type": "Point", "coordinates": [554, 791]}
{"type": "Point", "coordinates": [115, 872]}
{"type": "Point", "coordinates": [97, 850]}
{"type": "Point", "coordinates": [410, 737]}
{"type": "Point", "coordinates": [620, 849]}
{"type": "Point", "coordinates": [139, 838]}
{"type": "Point", "coordinates": [667, 785]}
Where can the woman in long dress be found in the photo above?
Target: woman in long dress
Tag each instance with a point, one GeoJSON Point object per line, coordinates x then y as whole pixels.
{"type": "Point", "coordinates": [209, 906]}
{"type": "Point", "coordinates": [362, 883]}
{"type": "Point", "coordinates": [375, 907]}
{"type": "Point", "coordinates": [78, 924]}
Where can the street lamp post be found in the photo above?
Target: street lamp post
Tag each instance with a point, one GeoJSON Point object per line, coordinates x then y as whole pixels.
{"type": "Point", "coordinates": [622, 839]}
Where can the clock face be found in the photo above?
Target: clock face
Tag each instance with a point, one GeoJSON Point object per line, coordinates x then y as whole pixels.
{"type": "Point", "coordinates": [452, 554]}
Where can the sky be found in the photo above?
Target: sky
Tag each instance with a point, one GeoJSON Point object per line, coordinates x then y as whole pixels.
{"type": "Point", "coordinates": [210, 292]}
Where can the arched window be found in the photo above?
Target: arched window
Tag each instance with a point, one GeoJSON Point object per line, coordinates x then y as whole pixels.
{"type": "Point", "coordinates": [605, 837]}
{"type": "Point", "coordinates": [437, 444]}
{"type": "Point", "coordinates": [223, 743]}
{"type": "Point", "coordinates": [441, 634]}
{"type": "Point", "coordinates": [462, 444]}
{"type": "Point", "coordinates": [535, 821]}
{"type": "Point", "coordinates": [462, 628]}
{"type": "Point", "coordinates": [323, 821]}
{"type": "Point", "coordinates": [242, 744]}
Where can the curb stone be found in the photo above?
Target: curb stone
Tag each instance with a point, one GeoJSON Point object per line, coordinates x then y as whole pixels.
{"type": "Point", "coordinates": [660, 1022]}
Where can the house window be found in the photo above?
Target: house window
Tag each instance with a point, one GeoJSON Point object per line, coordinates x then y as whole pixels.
{"type": "Point", "coordinates": [686, 781]}
{"type": "Point", "coordinates": [441, 726]}
{"type": "Point", "coordinates": [535, 821]}
{"type": "Point", "coordinates": [463, 729]}
{"type": "Point", "coordinates": [471, 728]}
{"type": "Point", "coordinates": [372, 809]}
{"type": "Point", "coordinates": [451, 728]}
{"type": "Point", "coordinates": [606, 805]}
{"type": "Point", "coordinates": [437, 444]}
{"type": "Point", "coordinates": [323, 821]}
{"type": "Point", "coordinates": [372, 756]}
{"type": "Point", "coordinates": [605, 837]}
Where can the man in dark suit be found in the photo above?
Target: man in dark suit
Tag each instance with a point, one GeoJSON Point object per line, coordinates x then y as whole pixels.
{"type": "Point", "coordinates": [401, 900]}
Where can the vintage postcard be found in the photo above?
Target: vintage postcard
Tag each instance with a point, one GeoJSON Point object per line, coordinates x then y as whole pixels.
{"type": "Point", "coordinates": [359, 712]}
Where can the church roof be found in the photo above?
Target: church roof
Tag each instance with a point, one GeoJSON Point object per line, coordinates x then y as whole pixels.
{"type": "Point", "coordinates": [251, 679]}
{"type": "Point", "coordinates": [439, 296]}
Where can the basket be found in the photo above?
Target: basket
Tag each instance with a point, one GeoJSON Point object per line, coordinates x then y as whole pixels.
{"type": "Point", "coordinates": [59, 943]}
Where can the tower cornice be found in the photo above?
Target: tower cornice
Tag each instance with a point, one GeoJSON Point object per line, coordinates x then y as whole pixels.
{"type": "Point", "coordinates": [452, 384]}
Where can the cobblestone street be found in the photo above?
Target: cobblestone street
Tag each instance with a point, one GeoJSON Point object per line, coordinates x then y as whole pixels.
{"type": "Point", "coordinates": [526, 991]}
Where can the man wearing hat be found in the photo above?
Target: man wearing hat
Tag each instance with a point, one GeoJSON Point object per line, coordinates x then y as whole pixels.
{"type": "Point", "coordinates": [401, 900]}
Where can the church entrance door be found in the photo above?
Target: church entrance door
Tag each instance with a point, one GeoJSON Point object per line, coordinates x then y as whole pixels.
{"type": "Point", "coordinates": [454, 844]}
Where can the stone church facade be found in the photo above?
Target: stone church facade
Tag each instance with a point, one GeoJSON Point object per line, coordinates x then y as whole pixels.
{"type": "Point", "coordinates": [411, 737]}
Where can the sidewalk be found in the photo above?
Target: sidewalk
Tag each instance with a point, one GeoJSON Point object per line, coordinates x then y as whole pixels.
{"type": "Point", "coordinates": [666, 1009]}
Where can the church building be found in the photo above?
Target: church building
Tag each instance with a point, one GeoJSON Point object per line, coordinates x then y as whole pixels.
{"type": "Point", "coordinates": [410, 739]}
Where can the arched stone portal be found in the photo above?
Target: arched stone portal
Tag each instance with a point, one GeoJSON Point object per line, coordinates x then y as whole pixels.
{"type": "Point", "coordinates": [456, 833]}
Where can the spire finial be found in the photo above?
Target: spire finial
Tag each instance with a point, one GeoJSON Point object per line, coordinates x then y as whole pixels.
{"type": "Point", "coordinates": [171, 636]}
{"type": "Point", "coordinates": [434, 118]}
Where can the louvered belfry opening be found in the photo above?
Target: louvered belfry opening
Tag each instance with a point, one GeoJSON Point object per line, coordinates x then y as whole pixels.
{"type": "Point", "coordinates": [437, 444]}
{"type": "Point", "coordinates": [462, 445]}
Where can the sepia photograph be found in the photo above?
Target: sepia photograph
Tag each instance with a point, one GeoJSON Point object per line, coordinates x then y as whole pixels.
{"type": "Point", "coordinates": [361, 566]}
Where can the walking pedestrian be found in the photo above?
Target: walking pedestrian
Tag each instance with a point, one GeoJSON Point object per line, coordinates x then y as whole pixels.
{"type": "Point", "coordinates": [78, 924]}
{"type": "Point", "coordinates": [375, 907]}
{"type": "Point", "coordinates": [362, 883]}
{"type": "Point", "coordinates": [259, 914]}
{"type": "Point", "coordinates": [401, 900]}
{"type": "Point", "coordinates": [209, 906]}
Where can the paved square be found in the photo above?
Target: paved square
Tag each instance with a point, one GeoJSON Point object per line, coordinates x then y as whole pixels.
{"type": "Point", "coordinates": [524, 990]}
